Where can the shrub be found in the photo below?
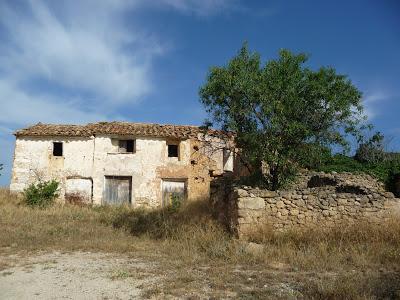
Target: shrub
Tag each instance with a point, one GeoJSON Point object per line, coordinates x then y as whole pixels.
{"type": "Point", "coordinates": [41, 194]}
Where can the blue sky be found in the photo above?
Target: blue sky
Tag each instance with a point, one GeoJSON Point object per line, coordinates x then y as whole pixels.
{"type": "Point", "coordinates": [84, 61]}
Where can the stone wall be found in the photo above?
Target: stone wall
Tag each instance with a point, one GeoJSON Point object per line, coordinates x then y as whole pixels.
{"type": "Point", "coordinates": [315, 199]}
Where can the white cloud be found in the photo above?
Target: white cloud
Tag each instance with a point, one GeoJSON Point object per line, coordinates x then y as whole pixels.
{"type": "Point", "coordinates": [372, 102]}
{"type": "Point", "coordinates": [203, 7]}
{"type": "Point", "coordinates": [82, 48]}
{"type": "Point", "coordinates": [76, 61]}
{"type": "Point", "coordinates": [19, 108]}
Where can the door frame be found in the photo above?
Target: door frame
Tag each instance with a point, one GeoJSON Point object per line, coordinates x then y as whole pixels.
{"type": "Point", "coordinates": [103, 199]}
{"type": "Point", "coordinates": [185, 187]}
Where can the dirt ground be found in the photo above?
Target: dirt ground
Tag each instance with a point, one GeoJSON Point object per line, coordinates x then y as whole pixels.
{"type": "Point", "coordinates": [79, 275]}
{"type": "Point", "coordinates": [87, 275]}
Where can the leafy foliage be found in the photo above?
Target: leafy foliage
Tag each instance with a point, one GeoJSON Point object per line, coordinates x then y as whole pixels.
{"type": "Point", "coordinates": [41, 194]}
{"type": "Point", "coordinates": [1, 168]}
{"type": "Point", "coordinates": [176, 202]}
{"type": "Point", "coordinates": [281, 111]}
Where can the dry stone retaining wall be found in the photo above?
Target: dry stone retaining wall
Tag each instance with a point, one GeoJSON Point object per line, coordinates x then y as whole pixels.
{"type": "Point", "coordinates": [315, 199]}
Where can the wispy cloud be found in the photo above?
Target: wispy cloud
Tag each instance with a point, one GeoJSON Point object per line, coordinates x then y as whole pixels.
{"type": "Point", "coordinates": [203, 7]}
{"type": "Point", "coordinates": [19, 108]}
{"type": "Point", "coordinates": [78, 61]}
{"type": "Point", "coordinates": [373, 101]}
{"type": "Point", "coordinates": [84, 52]}
{"type": "Point", "coordinates": [82, 49]}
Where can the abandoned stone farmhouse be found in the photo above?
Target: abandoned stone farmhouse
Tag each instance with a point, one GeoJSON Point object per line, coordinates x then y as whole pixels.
{"type": "Point", "coordinates": [141, 164]}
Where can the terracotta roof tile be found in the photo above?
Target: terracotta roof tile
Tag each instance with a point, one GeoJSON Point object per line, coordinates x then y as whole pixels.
{"type": "Point", "coordinates": [111, 128]}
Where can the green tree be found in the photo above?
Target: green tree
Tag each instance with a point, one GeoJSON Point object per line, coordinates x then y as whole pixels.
{"type": "Point", "coordinates": [1, 168]}
{"type": "Point", "coordinates": [281, 111]}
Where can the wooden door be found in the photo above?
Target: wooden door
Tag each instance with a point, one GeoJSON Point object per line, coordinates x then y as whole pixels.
{"type": "Point", "coordinates": [117, 190]}
{"type": "Point", "coordinates": [172, 190]}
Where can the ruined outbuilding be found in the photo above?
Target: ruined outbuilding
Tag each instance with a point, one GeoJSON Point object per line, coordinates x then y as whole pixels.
{"type": "Point", "coordinates": [144, 165]}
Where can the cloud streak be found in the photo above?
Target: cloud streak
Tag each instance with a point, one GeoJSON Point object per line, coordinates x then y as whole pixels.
{"type": "Point", "coordinates": [373, 101]}
{"type": "Point", "coordinates": [77, 61]}
{"type": "Point", "coordinates": [77, 51]}
{"type": "Point", "coordinates": [203, 7]}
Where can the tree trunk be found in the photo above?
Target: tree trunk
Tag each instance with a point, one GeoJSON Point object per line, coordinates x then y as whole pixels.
{"type": "Point", "coordinates": [275, 178]}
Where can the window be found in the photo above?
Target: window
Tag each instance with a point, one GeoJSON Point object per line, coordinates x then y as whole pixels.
{"type": "Point", "coordinates": [172, 150]}
{"type": "Point", "coordinates": [126, 146]}
{"type": "Point", "coordinates": [57, 149]}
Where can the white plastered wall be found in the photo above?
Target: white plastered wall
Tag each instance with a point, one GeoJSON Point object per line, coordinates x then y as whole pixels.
{"type": "Point", "coordinates": [150, 154]}
{"type": "Point", "coordinates": [96, 157]}
{"type": "Point", "coordinates": [34, 160]}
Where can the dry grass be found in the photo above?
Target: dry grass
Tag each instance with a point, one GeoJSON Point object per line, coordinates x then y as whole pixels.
{"type": "Point", "coordinates": [361, 245]}
{"type": "Point", "coordinates": [195, 254]}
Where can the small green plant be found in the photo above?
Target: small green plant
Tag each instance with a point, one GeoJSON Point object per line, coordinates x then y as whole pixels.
{"type": "Point", "coordinates": [176, 202]}
{"type": "Point", "coordinates": [42, 193]}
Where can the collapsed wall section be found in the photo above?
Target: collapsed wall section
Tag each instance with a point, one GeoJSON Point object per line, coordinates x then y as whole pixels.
{"type": "Point", "coordinates": [316, 199]}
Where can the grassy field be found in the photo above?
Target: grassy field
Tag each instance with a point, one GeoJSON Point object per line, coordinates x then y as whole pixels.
{"type": "Point", "coordinates": [198, 257]}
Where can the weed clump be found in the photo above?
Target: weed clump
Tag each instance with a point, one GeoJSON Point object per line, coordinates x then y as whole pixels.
{"type": "Point", "coordinates": [41, 194]}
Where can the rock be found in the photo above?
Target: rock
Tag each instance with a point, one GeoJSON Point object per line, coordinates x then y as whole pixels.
{"type": "Point", "coordinates": [280, 204]}
{"type": "Point", "coordinates": [285, 194]}
{"type": "Point", "coordinates": [242, 193]}
{"type": "Point", "coordinates": [286, 201]}
{"type": "Point", "coordinates": [294, 212]}
{"type": "Point", "coordinates": [255, 248]}
{"type": "Point", "coordinates": [251, 203]}
{"type": "Point", "coordinates": [268, 194]}
{"type": "Point", "coordinates": [389, 195]}
{"type": "Point", "coordinates": [284, 212]}
{"type": "Point", "coordinates": [325, 213]}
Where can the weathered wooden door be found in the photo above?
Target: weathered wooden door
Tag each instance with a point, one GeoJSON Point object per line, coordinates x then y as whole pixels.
{"type": "Point", "coordinates": [117, 190]}
{"type": "Point", "coordinates": [172, 191]}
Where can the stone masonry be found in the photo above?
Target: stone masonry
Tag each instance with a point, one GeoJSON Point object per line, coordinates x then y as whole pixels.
{"type": "Point", "coordinates": [314, 199]}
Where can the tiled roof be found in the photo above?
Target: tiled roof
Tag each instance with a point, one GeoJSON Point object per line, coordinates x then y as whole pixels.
{"type": "Point", "coordinates": [111, 128]}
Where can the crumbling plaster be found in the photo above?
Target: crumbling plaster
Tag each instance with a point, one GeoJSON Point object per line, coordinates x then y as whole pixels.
{"type": "Point", "coordinates": [97, 157]}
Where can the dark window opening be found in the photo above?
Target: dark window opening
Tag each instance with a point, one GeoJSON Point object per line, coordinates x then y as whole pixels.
{"type": "Point", "coordinates": [172, 150]}
{"type": "Point", "coordinates": [57, 149]}
{"type": "Point", "coordinates": [126, 146]}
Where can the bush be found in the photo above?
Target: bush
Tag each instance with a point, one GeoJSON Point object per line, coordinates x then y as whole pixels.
{"type": "Point", "coordinates": [41, 194]}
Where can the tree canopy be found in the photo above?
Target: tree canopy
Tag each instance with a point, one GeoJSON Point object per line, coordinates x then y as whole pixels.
{"type": "Point", "coordinates": [282, 111]}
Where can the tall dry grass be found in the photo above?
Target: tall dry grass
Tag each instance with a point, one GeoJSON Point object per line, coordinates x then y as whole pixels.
{"type": "Point", "coordinates": [359, 245]}
{"type": "Point", "coordinates": [361, 261]}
